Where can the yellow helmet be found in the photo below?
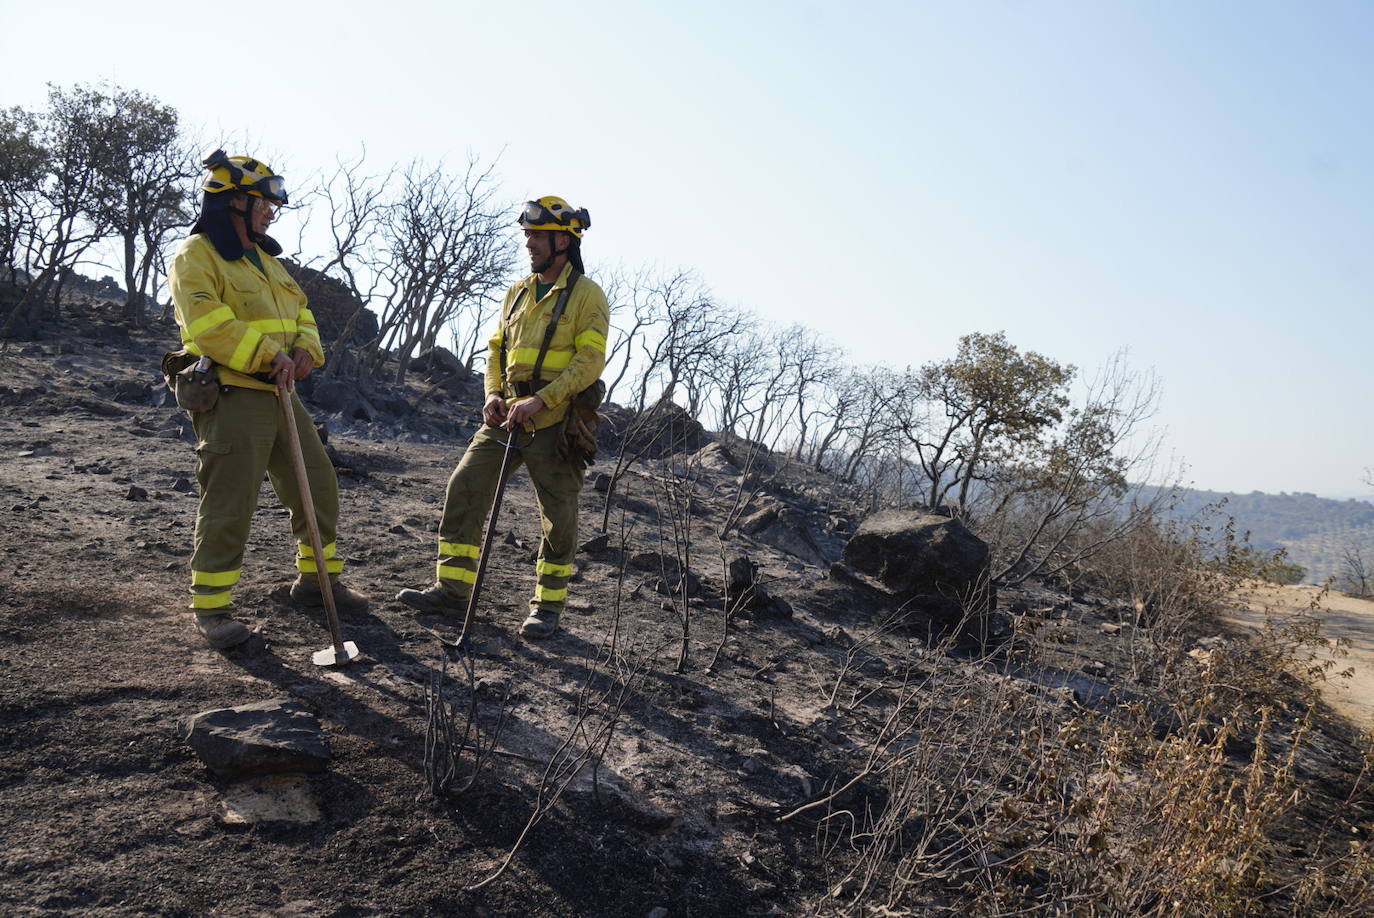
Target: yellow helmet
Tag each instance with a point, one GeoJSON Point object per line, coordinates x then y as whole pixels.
{"type": "Point", "coordinates": [554, 213]}
{"type": "Point", "coordinates": [242, 173]}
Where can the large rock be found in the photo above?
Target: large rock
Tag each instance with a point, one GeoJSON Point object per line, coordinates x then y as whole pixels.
{"type": "Point", "coordinates": [660, 430]}
{"type": "Point", "coordinates": [355, 401]}
{"type": "Point", "coordinates": [788, 529]}
{"type": "Point", "coordinates": [267, 737]}
{"type": "Point", "coordinates": [931, 563]}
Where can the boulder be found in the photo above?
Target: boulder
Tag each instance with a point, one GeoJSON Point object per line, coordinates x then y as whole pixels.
{"type": "Point", "coordinates": [932, 564]}
{"type": "Point", "coordinates": [266, 737]}
{"type": "Point", "coordinates": [785, 528]}
{"type": "Point", "coordinates": [661, 430]}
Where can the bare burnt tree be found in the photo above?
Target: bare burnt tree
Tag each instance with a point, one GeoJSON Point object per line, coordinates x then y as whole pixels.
{"type": "Point", "coordinates": [626, 324]}
{"type": "Point", "coordinates": [446, 244]}
{"type": "Point", "coordinates": [875, 391]}
{"type": "Point", "coordinates": [692, 328]}
{"type": "Point", "coordinates": [1356, 573]}
{"type": "Point", "coordinates": [745, 371]}
{"type": "Point", "coordinates": [804, 364]}
{"type": "Point", "coordinates": [424, 248]}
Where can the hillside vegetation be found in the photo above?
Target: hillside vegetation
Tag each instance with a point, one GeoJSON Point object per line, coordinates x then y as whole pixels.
{"type": "Point", "coordinates": [1315, 532]}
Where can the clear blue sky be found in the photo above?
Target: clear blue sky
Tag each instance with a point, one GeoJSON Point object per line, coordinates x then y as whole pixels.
{"type": "Point", "coordinates": [1193, 181]}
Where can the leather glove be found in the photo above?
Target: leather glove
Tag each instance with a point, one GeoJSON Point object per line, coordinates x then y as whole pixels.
{"type": "Point", "coordinates": [578, 441]}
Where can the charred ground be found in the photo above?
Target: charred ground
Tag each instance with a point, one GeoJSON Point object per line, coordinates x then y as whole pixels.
{"type": "Point", "coordinates": [696, 801]}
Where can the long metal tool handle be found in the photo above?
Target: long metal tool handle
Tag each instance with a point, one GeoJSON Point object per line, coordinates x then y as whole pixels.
{"type": "Point", "coordinates": [486, 540]}
{"type": "Point", "coordinates": [288, 414]}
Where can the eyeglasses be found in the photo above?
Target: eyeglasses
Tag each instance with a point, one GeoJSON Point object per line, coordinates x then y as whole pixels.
{"type": "Point", "coordinates": [268, 207]}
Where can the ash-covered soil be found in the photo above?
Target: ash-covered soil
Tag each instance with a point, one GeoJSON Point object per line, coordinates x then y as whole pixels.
{"type": "Point", "coordinates": [105, 809]}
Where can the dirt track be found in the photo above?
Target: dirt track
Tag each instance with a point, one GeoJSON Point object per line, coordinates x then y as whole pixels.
{"type": "Point", "coordinates": [1342, 617]}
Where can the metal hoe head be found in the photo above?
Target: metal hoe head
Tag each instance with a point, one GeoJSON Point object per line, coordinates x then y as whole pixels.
{"type": "Point", "coordinates": [337, 656]}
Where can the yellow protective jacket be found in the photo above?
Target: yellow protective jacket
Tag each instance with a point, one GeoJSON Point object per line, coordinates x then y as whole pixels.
{"type": "Point", "coordinates": [240, 319]}
{"type": "Point", "coordinates": [577, 353]}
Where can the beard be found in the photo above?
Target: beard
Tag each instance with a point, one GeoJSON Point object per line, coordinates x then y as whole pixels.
{"type": "Point", "coordinates": [540, 265]}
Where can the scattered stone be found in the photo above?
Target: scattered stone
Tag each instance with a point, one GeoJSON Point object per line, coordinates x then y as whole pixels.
{"type": "Point", "coordinates": [398, 529]}
{"type": "Point", "coordinates": [602, 482]}
{"type": "Point", "coordinates": [596, 544]}
{"type": "Point", "coordinates": [183, 486]}
{"type": "Point", "coordinates": [743, 574]}
{"type": "Point", "coordinates": [266, 737]}
{"type": "Point", "coordinates": [273, 798]}
{"type": "Point", "coordinates": [1109, 628]}
{"type": "Point", "coordinates": [673, 578]}
{"type": "Point", "coordinates": [136, 493]}
{"type": "Point", "coordinates": [132, 392]}
{"type": "Point", "coordinates": [839, 637]}
{"type": "Point", "coordinates": [658, 912]}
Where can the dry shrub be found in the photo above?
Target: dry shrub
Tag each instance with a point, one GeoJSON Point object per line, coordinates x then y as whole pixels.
{"type": "Point", "coordinates": [980, 794]}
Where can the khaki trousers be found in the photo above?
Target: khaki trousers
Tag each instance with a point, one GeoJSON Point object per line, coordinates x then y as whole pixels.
{"type": "Point", "coordinates": [557, 485]}
{"type": "Point", "coordinates": [239, 440]}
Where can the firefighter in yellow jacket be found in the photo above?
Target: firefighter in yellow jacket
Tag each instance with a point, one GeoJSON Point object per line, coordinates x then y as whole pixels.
{"type": "Point", "coordinates": [518, 399]}
{"type": "Point", "coordinates": [237, 305]}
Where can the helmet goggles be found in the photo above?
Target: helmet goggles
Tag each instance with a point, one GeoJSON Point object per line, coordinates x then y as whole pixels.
{"type": "Point", "coordinates": [246, 175]}
{"type": "Point", "coordinates": [556, 215]}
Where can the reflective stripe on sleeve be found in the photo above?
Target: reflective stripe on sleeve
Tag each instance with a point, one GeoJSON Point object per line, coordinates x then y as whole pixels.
{"type": "Point", "coordinates": [270, 326]}
{"type": "Point", "coordinates": [591, 338]}
{"type": "Point", "coordinates": [246, 349]}
{"type": "Point", "coordinates": [208, 321]}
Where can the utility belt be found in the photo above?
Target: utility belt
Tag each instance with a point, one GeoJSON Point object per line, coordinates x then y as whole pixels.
{"type": "Point", "coordinates": [526, 388]}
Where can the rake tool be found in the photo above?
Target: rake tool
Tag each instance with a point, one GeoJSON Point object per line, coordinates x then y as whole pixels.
{"type": "Point", "coordinates": [341, 651]}
{"type": "Point", "coordinates": [471, 613]}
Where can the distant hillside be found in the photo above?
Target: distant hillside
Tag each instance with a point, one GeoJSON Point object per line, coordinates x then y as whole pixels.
{"type": "Point", "coordinates": [1314, 530]}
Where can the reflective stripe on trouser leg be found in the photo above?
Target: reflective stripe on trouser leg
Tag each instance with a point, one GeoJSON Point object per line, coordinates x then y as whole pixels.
{"type": "Point", "coordinates": [456, 569]}
{"type": "Point", "coordinates": [234, 444]}
{"type": "Point", "coordinates": [324, 487]}
{"type": "Point", "coordinates": [305, 559]}
{"type": "Point", "coordinates": [556, 488]}
{"type": "Point", "coordinates": [466, 503]}
{"type": "Point", "coordinates": [212, 591]}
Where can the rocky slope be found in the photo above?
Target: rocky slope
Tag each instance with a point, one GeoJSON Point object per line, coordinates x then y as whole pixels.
{"type": "Point", "coordinates": [658, 757]}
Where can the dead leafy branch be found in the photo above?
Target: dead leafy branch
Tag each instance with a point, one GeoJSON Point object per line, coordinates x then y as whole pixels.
{"type": "Point", "coordinates": [451, 734]}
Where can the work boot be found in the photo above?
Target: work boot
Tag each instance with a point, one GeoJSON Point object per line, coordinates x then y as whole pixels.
{"type": "Point", "coordinates": [306, 591]}
{"type": "Point", "coordinates": [540, 624]}
{"type": "Point", "coordinates": [222, 632]}
{"type": "Point", "coordinates": [434, 600]}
